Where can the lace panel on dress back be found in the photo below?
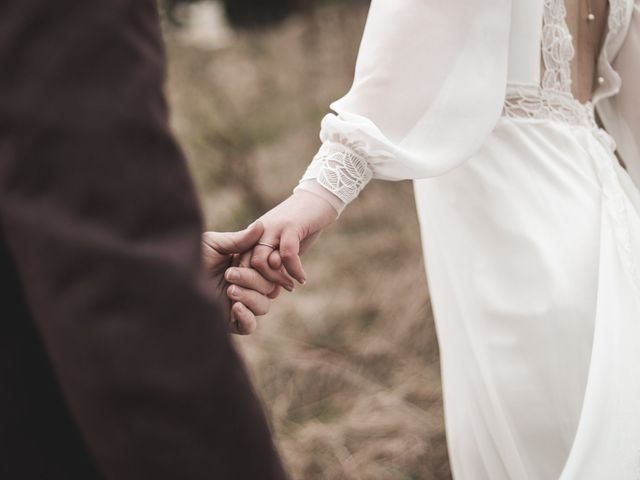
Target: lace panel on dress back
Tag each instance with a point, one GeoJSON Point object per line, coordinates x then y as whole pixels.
{"type": "Point", "coordinates": [561, 57]}
{"type": "Point", "coordinates": [557, 47]}
{"type": "Point", "coordinates": [553, 99]}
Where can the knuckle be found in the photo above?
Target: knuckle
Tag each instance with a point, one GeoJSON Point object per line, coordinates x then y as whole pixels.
{"type": "Point", "coordinates": [256, 262]}
{"type": "Point", "coordinates": [287, 254]}
{"type": "Point", "coordinates": [287, 224]}
{"type": "Point", "coordinates": [275, 292]}
{"type": "Point", "coordinates": [275, 263]}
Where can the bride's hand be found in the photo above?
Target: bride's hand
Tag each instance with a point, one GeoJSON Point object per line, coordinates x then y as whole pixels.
{"type": "Point", "coordinates": [291, 227]}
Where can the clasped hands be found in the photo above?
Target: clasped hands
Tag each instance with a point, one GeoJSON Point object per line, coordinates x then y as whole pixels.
{"type": "Point", "coordinates": [248, 269]}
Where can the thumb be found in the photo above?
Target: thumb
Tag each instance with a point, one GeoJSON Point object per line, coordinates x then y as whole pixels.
{"type": "Point", "coordinates": [228, 243]}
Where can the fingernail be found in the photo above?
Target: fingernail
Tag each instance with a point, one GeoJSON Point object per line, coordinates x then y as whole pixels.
{"type": "Point", "coordinates": [232, 275]}
{"type": "Point", "coordinates": [233, 291]}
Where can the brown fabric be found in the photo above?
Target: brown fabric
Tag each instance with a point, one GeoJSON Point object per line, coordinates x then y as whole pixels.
{"type": "Point", "coordinates": [114, 363]}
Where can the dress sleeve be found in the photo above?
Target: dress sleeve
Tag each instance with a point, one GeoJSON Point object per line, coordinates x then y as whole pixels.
{"type": "Point", "coordinates": [429, 87]}
{"type": "Point", "coordinates": [621, 113]}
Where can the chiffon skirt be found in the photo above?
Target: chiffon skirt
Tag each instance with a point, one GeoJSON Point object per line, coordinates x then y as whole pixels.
{"type": "Point", "coordinates": [532, 259]}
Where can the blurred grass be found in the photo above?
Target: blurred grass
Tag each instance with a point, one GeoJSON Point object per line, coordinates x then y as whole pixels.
{"type": "Point", "coordinates": [347, 365]}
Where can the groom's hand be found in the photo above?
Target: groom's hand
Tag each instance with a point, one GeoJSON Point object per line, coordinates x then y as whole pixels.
{"type": "Point", "coordinates": [243, 290]}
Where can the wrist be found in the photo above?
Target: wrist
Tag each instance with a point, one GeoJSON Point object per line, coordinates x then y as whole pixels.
{"type": "Point", "coordinates": [313, 186]}
{"type": "Point", "coordinates": [316, 203]}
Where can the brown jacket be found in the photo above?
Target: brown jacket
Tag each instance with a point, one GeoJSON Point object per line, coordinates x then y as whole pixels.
{"type": "Point", "coordinates": [114, 361]}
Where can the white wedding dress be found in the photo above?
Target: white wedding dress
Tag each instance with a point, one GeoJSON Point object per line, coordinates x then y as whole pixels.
{"type": "Point", "coordinates": [531, 229]}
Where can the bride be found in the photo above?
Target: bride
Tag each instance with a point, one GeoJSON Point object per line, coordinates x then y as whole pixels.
{"type": "Point", "coordinates": [512, 117]}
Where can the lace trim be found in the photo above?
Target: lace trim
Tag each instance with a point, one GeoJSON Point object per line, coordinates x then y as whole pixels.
{"type": "Point", "coordinates": [536, 103]}
{"type": "Point", "coordinates": [615, 202]}
{"type": "Point", "coordinates": [617, 15]}
{"type": "Point", "coordinates": [557, 47]}
{"type": "Point", "coordinates": [341, 168]}
{"type": "Point", "coordinates": [614, 197]}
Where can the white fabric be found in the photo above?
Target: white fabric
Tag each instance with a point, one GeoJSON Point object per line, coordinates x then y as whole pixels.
{"type": "Point", "coordinates": [530, 227]}
{"type": "Point", "coordinates": [417, 69]}
{"type": "Point", "coordinates": [621, 113]}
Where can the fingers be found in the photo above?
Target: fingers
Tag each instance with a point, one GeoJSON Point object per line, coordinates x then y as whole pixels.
{"type": "Point", "coordinates": [227, 243]}
{"type": "Point", "coordinates": [254, 291]}
{"type": "Point", "coordinates": [259, 261]}
{"type": "Point", "coordinates": [276, 293]}
{"type": "Point", "coordinates": [289, 249]}
{"type": "Point", "coordinates": [275, 260]}
{"type": "Point", "coordinates": [256, 302]}
{"type": "Point", "coordinates": [250, 279]}
{"type": "Point", "coordinates": [243, 321]}
{"type": "Point", "coordinates": [244, 260]}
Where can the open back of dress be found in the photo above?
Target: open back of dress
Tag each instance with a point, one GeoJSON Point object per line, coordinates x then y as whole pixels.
{"type": "Point", "coordinates": [572, 36]}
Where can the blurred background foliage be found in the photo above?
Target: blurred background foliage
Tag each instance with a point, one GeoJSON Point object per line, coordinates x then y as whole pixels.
{"type": "Point", "coordinates": [347, 366]}
{"type": "Point", "coordinates": [255, 14]}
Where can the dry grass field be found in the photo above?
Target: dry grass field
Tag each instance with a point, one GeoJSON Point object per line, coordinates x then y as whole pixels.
{"type": "Point", "coordinates": [347, 366]}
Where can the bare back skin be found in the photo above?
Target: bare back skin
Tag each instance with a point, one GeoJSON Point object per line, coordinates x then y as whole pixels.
{"type": "Point", "coordinates": [588, 37]}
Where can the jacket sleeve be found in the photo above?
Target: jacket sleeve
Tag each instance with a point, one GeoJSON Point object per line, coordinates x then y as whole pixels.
{"type": "Point", "coordinates": [429, 87]}
{"type": "Point", "coordinates": [99, 213]}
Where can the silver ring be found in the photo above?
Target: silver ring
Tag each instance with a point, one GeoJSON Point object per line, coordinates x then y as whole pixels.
{"type": "Point", "coordinates": [267, 245]}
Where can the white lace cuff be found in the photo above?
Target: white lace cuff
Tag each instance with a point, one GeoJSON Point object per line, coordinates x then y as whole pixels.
{"type": "Point", "coordinates": [340, 169]}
